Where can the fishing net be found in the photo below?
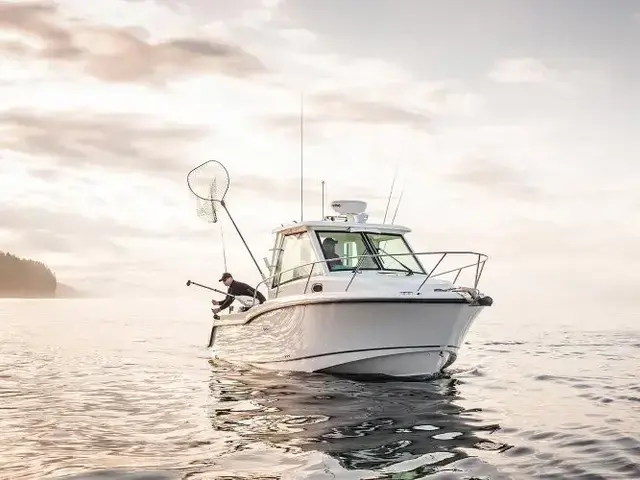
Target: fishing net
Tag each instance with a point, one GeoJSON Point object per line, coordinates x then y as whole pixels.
{"type": "Point", "coordinates": [207, 208]}
{"type": "Point", "coordinates": [209, 182]}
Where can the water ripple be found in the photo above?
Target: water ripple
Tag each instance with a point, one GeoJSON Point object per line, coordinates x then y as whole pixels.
{"type": "Point", "coordinates": [100, 404]}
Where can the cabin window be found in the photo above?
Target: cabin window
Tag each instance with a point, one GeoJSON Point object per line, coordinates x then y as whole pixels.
{"type": "Point", "coordinates": [396, 254]}
{"type": "Point", "coordinates": [297, 252]}
{"type": "Point", "coordinates": [345, 244]}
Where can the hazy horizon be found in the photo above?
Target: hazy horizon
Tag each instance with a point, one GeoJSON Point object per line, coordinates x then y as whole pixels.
{"type": "Point", "coordinates": [513, 125]}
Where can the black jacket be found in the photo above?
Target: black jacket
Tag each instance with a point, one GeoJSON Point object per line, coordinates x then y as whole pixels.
{"type": "Point", "coordinates": [239, 288]}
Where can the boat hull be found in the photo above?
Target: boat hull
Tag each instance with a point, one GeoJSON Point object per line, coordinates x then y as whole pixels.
{"type": "Point", "coordinates": [391, 337]}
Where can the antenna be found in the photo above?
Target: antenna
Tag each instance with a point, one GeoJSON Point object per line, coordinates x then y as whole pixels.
{"type": "Point", "coordinates": [322, 217]}
{"type": "Point", "coordinates": [301, 158]}
{"type": "Point", "coordinates": [390, 193]}
{"type": "Point", "coordinates": [397, 206]}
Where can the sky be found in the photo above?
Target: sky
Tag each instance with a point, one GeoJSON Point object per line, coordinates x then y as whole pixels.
{"type": "Point", "coordinates": [513, 127]}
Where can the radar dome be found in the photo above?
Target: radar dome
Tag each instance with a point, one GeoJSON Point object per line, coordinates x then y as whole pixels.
{"type": "Point", "coordinates": [349, 207]}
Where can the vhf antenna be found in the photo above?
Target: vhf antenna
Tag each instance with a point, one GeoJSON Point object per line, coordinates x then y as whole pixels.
{"type": "Point", "coordinates": [322, 188]}
{"type": "Point", "coordinates": [301, 158]}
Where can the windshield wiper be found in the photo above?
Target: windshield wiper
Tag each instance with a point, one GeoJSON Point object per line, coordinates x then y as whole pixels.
{"type": "Point", "coordinates": [409, 271]}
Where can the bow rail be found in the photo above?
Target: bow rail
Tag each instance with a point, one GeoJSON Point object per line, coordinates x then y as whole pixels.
{"type": "Point", "coordinates": [479, 264]}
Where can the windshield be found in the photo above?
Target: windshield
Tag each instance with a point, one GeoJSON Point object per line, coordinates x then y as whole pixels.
{"type": "Point", "coordinates": [395, 252]}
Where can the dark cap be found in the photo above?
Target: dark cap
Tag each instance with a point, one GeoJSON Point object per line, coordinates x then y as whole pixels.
{"type": "Point", "coordinates": [329, 240]}
{"type": "Point", "coordinates": [224, 276]}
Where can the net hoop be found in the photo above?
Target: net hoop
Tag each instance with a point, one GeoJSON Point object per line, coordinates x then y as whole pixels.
{"type": "Point", "coordinates": [218, 177]}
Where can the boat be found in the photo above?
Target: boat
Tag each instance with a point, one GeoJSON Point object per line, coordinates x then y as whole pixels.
{"type": "Point", "coordinates": [346, 296]}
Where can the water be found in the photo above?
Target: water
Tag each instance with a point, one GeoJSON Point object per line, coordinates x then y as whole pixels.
{"type": "Point", "coordinates": [111, 390]}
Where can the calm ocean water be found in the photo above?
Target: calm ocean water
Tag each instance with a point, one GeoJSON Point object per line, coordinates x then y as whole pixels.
{"type": "Point", "coordinates": [113, 389]}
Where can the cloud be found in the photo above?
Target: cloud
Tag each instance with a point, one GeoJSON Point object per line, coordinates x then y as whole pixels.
{"type": "Point", "coordinates": [93, 246]}
{"type": "Point", "coordinates": [41, 231]}
{"type": "Point", "coordinates": [343, 108]}
{"type": "Point", "coordinates": [66, 230]}
{"type": "Point", "coordinates": [494, 177]}
{"type": "Point", "coordinates": [522, 70]}
{"type": "Point", "coordinates": [287, 190]}
{"type": "Point", "coordinates": [272, 3]}
{"type": "Point", "coordinates": [91, 170]}
{"type": "Point", "coordinates": [37, 20]}
{"type": "Point", "coordinates": [110, 140]}
{"type": "Point", "coordinates": [298, 36]}
{"type": "Point", "coordinates": [113, 54]}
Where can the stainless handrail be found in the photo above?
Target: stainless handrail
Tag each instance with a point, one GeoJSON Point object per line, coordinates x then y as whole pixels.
{"type": "Point", "coordinates": [482, 258]}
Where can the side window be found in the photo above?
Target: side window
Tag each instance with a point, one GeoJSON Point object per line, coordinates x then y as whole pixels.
{"type": "Point", "coordinates": [297, 251]}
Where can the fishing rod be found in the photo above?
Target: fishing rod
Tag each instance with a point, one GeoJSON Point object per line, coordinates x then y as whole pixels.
{"type": "Point", "coordinates": [397, 207]}
{"type": "Point", "coordinates": [243, 302]}
{"type": "Point", "coordinates": [393, 182]}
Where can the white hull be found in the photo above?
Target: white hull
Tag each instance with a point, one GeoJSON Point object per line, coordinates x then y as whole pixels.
{"type": "Point", "coordinates": [402, 337]}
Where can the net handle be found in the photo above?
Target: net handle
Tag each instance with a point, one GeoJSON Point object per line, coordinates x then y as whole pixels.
{"type": "Point", "coordinates": [209, 199]}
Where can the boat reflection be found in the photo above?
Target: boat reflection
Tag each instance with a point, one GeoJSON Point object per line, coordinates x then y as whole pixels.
{"type": "Point", "coordinates": [364, 425]}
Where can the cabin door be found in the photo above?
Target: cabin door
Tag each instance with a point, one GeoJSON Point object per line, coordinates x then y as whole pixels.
{"type": "Point", "coordinates": [292, 268]}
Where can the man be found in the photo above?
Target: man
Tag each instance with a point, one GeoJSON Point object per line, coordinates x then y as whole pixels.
{"type": "Point", "coordinates": [235, 288]}
{"type": "Point", "coordinates": [329, 249]}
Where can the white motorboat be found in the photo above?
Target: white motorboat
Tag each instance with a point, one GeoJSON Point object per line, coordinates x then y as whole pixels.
{"type": "Point", "coordinates": [346, 296]}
